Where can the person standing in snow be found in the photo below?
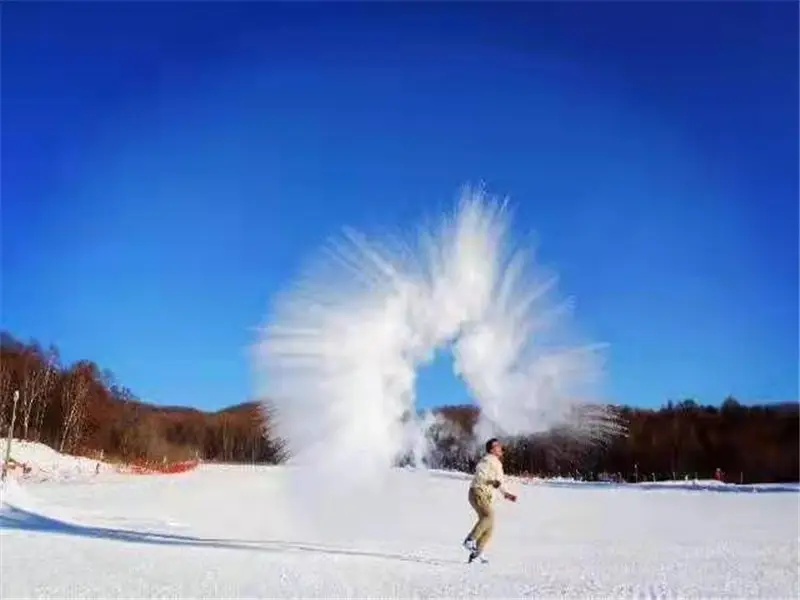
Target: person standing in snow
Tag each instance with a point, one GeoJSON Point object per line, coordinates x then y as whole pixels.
{"type": "Point", "coordinates": [488, 478]}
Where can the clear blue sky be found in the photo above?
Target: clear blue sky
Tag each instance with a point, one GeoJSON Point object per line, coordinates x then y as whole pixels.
{"type": "Point", "coordinates": [167, 167]}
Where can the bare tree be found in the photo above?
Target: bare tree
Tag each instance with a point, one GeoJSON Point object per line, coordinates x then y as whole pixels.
{"type": "Point", "coordinates": [6, 393]}
{"type": "Point", "coordinates": [129, 433]}
{"type": "Point", "coordinates": [39, 377]}
{"type": "Point", "coordinates": [227, 437]}
{"type": "Point", "coordinates": [74, 400]}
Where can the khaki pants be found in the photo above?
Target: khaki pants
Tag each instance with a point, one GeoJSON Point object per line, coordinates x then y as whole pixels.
{"type": "Point", "coordinates": [481, 503]}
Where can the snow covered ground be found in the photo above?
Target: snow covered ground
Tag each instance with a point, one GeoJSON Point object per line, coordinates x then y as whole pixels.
{"type": "Point", "coordinates": [698, 485]}
{"type": "Point", "coordinates": [244, 531]}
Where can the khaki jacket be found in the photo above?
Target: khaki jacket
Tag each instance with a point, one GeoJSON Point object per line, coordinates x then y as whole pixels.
{"type": "Point", "coordinates": [488, 469]}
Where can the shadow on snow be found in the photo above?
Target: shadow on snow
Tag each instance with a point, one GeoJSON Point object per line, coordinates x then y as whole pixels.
{"type": "Point", "coordinates": [14, 518]}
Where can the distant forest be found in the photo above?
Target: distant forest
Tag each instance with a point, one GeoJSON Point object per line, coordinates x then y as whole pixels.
{"type": "Point", "coordinates": [81, 409]}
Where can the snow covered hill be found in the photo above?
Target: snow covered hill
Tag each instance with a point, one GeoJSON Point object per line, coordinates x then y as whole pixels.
{"type": "Point", "coordinates": [35, 462]}
{"type": "Point", "coordinates": [243, 531]}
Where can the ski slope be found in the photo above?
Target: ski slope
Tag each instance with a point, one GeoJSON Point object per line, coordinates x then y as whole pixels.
{"type": "Point", "coordinates": [244, 531]}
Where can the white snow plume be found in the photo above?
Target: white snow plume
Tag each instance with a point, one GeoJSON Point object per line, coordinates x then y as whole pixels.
{"type": "Point", "coordinates": [339, 356]}
{"type": "Point", "coordinates": [418, 441]}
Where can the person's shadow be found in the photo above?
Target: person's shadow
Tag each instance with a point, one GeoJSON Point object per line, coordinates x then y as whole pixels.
{"type": "Point", "coordinates": [14, 518]}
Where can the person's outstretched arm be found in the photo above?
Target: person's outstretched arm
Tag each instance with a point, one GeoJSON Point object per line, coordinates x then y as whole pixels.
{"type": "Point", "coordinates": [500, 484]}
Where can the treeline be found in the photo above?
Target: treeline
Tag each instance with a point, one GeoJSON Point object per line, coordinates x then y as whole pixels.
{"type": "Point", "coordinates": [747, 444]}
{"type": "Point", "coordinates": [79, 408]}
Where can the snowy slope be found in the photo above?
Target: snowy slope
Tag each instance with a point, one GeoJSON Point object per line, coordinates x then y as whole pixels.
{"type": "Point", "coordinates": [236, 531]}
{"type": "Point", "coordinates": [46, 464]}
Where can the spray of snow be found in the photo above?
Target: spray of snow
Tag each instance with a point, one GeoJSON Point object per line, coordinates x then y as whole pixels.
{"type": "Point", "coordinates": [338, 357]}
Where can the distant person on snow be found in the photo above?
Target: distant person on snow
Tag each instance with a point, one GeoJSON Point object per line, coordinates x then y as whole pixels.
{"type": "Point", "coordinates": [488, 477]}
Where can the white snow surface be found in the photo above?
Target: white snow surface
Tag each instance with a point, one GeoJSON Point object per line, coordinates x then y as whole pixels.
{"type": "Point", "coordinates": [240, 531]}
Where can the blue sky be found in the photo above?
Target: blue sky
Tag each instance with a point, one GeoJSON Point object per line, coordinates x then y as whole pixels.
{"type": "Point", "coordinates": [168, 167]}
